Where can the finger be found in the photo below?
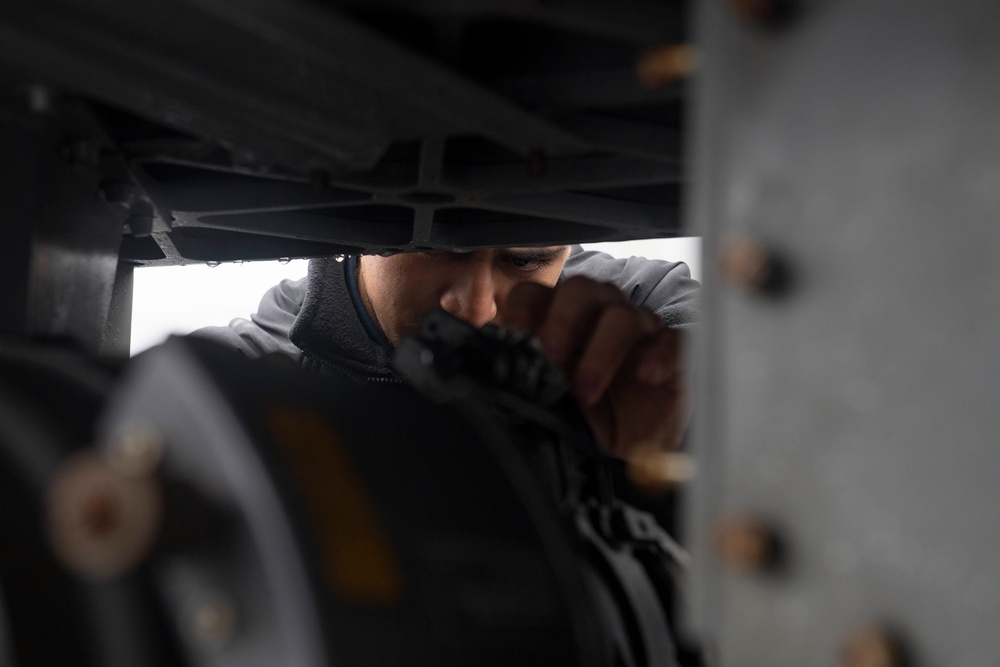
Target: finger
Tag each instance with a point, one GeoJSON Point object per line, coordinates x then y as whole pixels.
{"type": "Point", "coordinates": [575, 307]}
{"type": "Point", "coordinates": [660, 358]}
{"type": "Point", "coordinates": [526, 306]}
{"type": "Point", "coordinates": [613, 339]}
{"type": "Point", "coordinates": [651, 417]}
{"type": "Point", "coordinates": [673, 432]}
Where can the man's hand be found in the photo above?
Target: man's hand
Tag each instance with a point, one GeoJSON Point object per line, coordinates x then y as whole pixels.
{"type": "Point", "coordinates": [624, 365]}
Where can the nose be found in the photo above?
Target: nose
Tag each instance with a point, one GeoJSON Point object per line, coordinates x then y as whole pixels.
{"type": "Point", "coordinates": [472, 295]}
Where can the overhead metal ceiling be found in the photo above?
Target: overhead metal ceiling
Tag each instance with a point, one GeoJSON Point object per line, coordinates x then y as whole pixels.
{"type": "Point", "coordinates": [252, 129]}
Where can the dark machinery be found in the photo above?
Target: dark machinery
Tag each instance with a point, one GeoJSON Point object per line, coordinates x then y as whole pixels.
{"type": "Point", "coordinates": [843, 171]}
{"type": "Point", "coordinates": [234, 511]}
{"type": "Point", "coordinates": [174, 132]}
{"type": "Point", "coordinates": [191, 509]}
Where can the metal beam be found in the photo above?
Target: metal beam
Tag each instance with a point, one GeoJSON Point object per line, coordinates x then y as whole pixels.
{"type": "Point", "coordinates": [296, 83]}
{"type": "Point", "coordinates": [61, 238]}
{"type": "Point", "coordinates": [581, 173]}
{"type": "Point", "coordinates": [609, 88]}
{"type": "Point", "coordinates": [639, 21]}
{"type": "Point", "coordinates": [589, 210]}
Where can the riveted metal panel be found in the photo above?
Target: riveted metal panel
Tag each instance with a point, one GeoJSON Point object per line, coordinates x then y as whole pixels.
{"type": "Point", "coordinates": [856, 410]}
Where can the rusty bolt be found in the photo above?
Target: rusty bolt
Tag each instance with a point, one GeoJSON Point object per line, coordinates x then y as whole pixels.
{"type": "Point", "coordinates": [100, 511]}
{"type": "Point", "coordinates": [748, 264]}
{"type": "Point", "coordinates": [213, 621]}
{"type": "Point", "coordinates": [771, 13]}
{"type": "Point", "coordinates": [664, 65]}
{"type": "Point", "coordinates": [101, 524]}
{"type": "Point", "coordinates": [745, 544]}
{"type": "Point", "coordinates": [870, 646]}
{"type": "Point", "coordinates": [136, 451]}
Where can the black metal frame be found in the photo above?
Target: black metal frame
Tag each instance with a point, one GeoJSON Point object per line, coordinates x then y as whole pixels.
{"type": "Point", "coordinates": [258, 130]}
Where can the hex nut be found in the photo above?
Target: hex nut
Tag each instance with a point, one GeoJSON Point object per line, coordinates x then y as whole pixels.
{"type": "Point", "coordinates": [102, 524]}
{"type": "Point", "coordinates": [870, 646]}
{"type": "Point", "coordinates": [666, 64]}
{"type": "Point", "coordinates": [747, 264]}
{"type": "Point", "coordinates": [771, 13]}
{"type": "Point", "coordinates": [745, 544]}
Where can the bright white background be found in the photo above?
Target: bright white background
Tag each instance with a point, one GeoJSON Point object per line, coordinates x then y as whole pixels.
{"type": "Point", "coordinates": [179, 299]}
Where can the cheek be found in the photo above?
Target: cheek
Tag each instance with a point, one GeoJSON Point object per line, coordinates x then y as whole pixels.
{"type": "Point", "coordinates": [549, 275]}
{"type": "Point", "coordinates": [413, 289]}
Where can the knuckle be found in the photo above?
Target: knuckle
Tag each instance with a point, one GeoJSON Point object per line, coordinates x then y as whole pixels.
{"type": "Point", "coordinates": [577, 283]}
{"type": "Point", "coordinates": [527, 291]}
{"type": "Point", "coordinates": [668, 338]}
{"type": "Point", "coordinates": [622, 317]}
{"type": "Point", "coordinates": [612, 293]}
{"type": "Point", "coordinates": [582, 288]}
{"type": "Point", "coordinates": [652, 320]}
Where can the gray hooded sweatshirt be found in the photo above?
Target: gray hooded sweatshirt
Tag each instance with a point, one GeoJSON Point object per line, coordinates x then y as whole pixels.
{"type": "Point", "coordinates": [320, 321]}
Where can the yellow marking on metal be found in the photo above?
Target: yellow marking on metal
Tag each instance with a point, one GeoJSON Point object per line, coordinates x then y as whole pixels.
{"type": "Point", "coordinates": [358, 560]}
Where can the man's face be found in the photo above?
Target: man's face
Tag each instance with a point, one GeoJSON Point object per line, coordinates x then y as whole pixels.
{"type": "Point", "coordinates": [400, 290]}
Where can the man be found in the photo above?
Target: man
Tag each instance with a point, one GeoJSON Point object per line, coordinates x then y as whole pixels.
{"type": "Point", "coordinates": [610, 324]}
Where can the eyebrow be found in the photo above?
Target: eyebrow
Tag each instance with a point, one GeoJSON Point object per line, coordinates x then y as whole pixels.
{"type": "Point", "coordinates": [536, 253]}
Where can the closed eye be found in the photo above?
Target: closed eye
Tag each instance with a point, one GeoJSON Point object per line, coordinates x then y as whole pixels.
{"type": "Point", "coordinates": [530, 260]}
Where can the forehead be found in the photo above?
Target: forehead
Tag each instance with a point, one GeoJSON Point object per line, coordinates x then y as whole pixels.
{"type": "Point", "coordinates": [538, 250]}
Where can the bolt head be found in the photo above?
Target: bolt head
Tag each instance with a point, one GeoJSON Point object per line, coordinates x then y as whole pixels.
{"type": "Point", "coordinates": [870, 646]}
{"type": "Point", "coordinates": [667, 64]}
{"type": "Point", "coordinates": [772, 13]}
{"type": "Point", "coordinates": [745, 544]}
{"type": "Point", "coordinates": [100, 523]}
{"type": "Point", "coordinates": [747, 264]}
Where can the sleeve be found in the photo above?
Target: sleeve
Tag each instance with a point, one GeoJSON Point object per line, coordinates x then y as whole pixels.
{"type": "Point", "coordinates": [266, 331]}
{"type": "Point", "coordinates": [664, 287]}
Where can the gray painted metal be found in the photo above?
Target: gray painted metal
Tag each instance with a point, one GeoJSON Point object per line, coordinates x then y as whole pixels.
{"type": "Point", "coordinates": [858, 411]}
{"type": "Point", "coordinates": [117, 339]}
{"type": "Point", "coordinates": [61, 236]}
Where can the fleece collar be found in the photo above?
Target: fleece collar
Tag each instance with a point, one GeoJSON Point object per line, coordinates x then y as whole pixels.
{"type": "Point", "coordinates": [330, 328]}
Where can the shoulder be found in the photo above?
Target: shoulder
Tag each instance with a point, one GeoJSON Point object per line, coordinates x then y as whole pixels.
{"type": "Point", "coordinates": [663, 286]}
{"type": "Point", "coordinates": [267, 330]}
